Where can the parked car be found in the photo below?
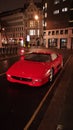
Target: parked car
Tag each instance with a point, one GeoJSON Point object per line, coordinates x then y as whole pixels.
{"type": "Point", "coordinates": [35, 68]}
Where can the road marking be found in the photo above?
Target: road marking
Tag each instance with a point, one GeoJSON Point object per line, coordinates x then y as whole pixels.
{"type": "Point", "coordinates": [43, 100]}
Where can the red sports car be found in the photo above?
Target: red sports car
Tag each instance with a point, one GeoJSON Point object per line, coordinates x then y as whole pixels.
{"type": "Point", "coordinates": [35, 68]}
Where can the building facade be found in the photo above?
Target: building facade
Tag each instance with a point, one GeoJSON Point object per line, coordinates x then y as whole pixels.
{"type": "Point", "coordinates": [58, 23]}
{"type": "Point", "coordinates": [21, 25]}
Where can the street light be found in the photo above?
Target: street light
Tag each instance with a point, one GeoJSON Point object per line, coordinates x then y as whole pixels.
{"type": "Point", "coordinates": [36, 17]}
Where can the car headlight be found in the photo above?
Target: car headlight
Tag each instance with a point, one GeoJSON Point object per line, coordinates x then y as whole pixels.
{"type": "Point", "coordinates": [37, 81]}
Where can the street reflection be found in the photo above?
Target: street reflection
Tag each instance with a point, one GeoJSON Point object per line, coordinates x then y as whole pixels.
{"type": "Point", "coordinates": [12, 91]}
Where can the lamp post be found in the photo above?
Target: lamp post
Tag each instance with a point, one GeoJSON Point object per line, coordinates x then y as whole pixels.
{"type": "Point", "coordinates": [37, 19]}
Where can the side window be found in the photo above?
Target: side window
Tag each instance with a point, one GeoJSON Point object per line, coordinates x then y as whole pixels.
{"type": "Point", "coordinates": [54, 56]}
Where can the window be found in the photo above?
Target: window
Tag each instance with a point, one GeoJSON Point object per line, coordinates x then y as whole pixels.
{"type": "Point", "coordinates": [61, 31]}
{"type": "Point", "coordinates": [45, 15]}
{"type": "Point", "coordinates": [52, 42]}
{"type": "Point", "coordinates": [63, 42]}
{"type": "Point", "coordinates": [53, 32]}
{"type": "Point", "coordinates": [45, 5]}
{"type": "Point", "coordinates": [64, 0]}
{"type": "Point", "coordinates": [66, 31]}
{"type": "Point", "coordinates": [44, 33]}
{"type": "Point", "coordinates": [64, 9]}
{"type": "Point", "coordinates": [45, 24]}
{"type": "Point", "coordinates": [56, 12]}
{"type": "Point", "coordinates": [31, 23]}
{"type": "Point", "coordinates": [57, 32]}
{"type": "Point", "coordinates": [56, 1]}
{"type": "Point", "coordinates": [32, 32]}
{"type": "Point", "coordinates": [54, 56]}
{"type": "Point", "coordinates": [34, 57]}
{"type": "Point", "coordinates": [49, 32]}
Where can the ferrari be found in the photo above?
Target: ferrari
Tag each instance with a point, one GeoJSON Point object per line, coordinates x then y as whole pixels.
{"type": "Point", "coordinates": [35, 68]}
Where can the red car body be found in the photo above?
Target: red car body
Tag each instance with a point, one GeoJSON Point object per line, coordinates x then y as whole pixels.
{"type": "Point", "coordinates": [35, 68]}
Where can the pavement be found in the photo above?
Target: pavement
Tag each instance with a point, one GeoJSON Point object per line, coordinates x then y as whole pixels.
{"type": "Point", "coordinates": [59, 114]}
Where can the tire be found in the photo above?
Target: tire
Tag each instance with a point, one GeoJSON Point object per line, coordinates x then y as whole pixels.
{"type": "Point", "coordinates": [51, 74]}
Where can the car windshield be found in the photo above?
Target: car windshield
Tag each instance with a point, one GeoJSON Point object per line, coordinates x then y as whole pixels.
{"type": "Point", "coordinates": [38, 57]}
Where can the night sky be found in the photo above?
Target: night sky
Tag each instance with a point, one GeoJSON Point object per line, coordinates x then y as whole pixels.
{"type": "Point", "coordinates": [6, 5]}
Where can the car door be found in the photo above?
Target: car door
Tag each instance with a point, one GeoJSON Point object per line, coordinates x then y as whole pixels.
{"type": "Point", "coordinates": [55, 62]}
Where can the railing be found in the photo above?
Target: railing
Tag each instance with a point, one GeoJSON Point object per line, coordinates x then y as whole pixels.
{"type": "Point", "coordinates": [8, 51]}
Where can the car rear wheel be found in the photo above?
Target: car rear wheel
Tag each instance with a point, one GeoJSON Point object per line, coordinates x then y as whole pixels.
{"type": "Point", "coordinates": [51, 75]}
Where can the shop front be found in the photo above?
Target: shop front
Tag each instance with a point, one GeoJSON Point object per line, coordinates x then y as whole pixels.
{"type": "Point", "coordinates": [63, 43]}
{"type": "Point", "coordinates": [52, 42]}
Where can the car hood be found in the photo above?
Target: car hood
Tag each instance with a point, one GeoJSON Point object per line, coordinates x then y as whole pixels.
{"type": "Point", "coordinates": [28, 69]}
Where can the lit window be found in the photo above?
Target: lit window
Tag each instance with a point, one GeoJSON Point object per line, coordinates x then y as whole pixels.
{"type": "Point", "coordinates": [56, 1]}
{"type": "Point", "coordinates": [56, 12]}
{"type": "Point", "coordinates": [45, 24]}
{"type": "Point", "coordinates": [32, 32]}
{"type": "Point", "coordinates": [31, 23]}
{"type": "Point", "coordinates": [65, 9]}
{"type": "Point", "coordinates": [45, 5]}
{"type": "Point", "coordinates": [45, 15]}
{"type": "Point", "coordinates": [64, 0]}
{"type": "Point", "coordinates": [42, 22]}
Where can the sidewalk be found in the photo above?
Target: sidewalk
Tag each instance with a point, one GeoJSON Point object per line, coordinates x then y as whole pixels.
{"type": "Point", "coordinates": [59, 114]}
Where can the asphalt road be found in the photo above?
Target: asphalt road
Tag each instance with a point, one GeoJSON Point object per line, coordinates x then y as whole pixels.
{"type": "Point", "coordinates": [59, 114]}
{"type": "Point", "coordinates": [19, 102]}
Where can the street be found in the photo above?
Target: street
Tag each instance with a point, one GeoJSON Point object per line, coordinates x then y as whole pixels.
{"type": "Point", "coordinates": [61, 106]}
{"type": "Point", "coordinates": [18, 103]}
